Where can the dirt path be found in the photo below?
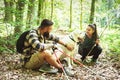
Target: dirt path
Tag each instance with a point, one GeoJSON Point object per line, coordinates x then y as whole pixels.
{"type": "Point", "coordinates": [105, 69]}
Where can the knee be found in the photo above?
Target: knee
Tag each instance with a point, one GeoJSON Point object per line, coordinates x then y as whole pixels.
{"type": "Point", "coordinates": [47, 53]}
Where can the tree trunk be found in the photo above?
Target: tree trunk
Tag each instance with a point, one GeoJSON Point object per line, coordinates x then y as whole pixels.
{"type": "Point", "coordinates": [19, 15]}
{"type": "Point", "coordinates": [52, 6]}
{"type": "Point", "coordinates": [44, 8]}
{"type": "Point", "coordinates": [12, 6]}
{"type": "Point", "coordinates": [110, 4]}
{"type": "Point", "coordinates": [39, 11]}
{"type": "Point", "coordinates": [81, 7]}
{"type": "Point", "coordinates": [9, 8]}
{"type": "Point", "coordinates": [31, 14]}
{"type": "Point", "coordinates": [70, 14]}
{"type": "Point", "coordinates": [92, 11]}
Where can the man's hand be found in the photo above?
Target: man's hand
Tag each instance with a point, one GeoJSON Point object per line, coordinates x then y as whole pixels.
{"type": "Point", "coordinates": [69, 47]}
{"type": "Point", "coordinates": [97, 41]}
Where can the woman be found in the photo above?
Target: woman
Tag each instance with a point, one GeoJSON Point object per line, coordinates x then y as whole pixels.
{"type": "Point", "coordinates": [90, 38]}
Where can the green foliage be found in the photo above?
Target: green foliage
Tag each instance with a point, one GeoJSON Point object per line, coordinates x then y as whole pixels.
{"type": "Point", "coordinates": [112, 39]}
{"type": "Point", "coordinates": [7, 44]}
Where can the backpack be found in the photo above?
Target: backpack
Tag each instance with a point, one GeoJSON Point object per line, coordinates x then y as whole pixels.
{"type": "Point", "coordinates": [20, 42]}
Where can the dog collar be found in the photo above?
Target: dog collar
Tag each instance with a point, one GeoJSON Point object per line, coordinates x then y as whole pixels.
{"type": "Point", "coordinates": [71, 37]}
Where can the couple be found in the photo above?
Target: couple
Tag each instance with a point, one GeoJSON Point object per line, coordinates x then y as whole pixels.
{"type": "Point", "coordinates": [37, 52]}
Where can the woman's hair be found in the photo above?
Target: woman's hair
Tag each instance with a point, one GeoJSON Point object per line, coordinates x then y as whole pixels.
{"type": "Point", "coordinates": [94, 27]}
{"type": "Point", "coordinates": [45, 23]}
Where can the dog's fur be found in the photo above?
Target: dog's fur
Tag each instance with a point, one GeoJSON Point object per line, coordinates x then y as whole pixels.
{"type": "Point", "coordinates": [76, 35]}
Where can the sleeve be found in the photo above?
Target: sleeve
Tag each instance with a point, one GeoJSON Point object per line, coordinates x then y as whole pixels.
{"type": "Point", "coordinates": [34, 41]}
{"type": "Point", "coordinates": [53, 37]}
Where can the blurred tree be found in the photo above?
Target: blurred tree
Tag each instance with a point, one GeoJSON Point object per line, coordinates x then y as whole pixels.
{"type": "Point", "coordinates": [110, 4]}
{"type": "Point", "coordinates": [40, 7]}
{"type": "Point", "coordinates": [52, 5]}
{"type": "Point", "coordinates": [70, 14]}
{"type": "Point", "coordinates": [31, 13]}
{"type": "Point", "coordinates": [81, 7]}
{"type": "Point", "coordinates": [92, 11]}
{"type": "Point", "coordinates": [9, 8]}
{"type": "Point", "coordinates": [20, 5]}
{"type": "Point", "coordinates": [44, 8]}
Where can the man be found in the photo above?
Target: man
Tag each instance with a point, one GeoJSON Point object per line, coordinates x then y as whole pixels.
{"type": "Point", "coordinates": [38, 53]}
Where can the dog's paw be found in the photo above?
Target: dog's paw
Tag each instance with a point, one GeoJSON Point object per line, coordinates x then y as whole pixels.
{"type": "Point", "coordinates": [70, 66]}
{"type": "Point", "coordinates": [74, 65]}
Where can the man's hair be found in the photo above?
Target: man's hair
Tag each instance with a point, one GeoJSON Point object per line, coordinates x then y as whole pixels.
{"type": "Point", "coordinates": [45, 23]}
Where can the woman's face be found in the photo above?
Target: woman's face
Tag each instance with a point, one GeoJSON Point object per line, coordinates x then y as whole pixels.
{"type": "Point", "coordinates": [89, 30]}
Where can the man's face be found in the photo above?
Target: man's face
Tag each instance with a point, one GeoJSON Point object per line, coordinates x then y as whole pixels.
{"type": "Point", "coordinates": [47, 30]}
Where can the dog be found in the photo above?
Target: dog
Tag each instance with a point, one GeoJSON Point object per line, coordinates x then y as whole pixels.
{"type": "Point", "coordinates": [70, 40]}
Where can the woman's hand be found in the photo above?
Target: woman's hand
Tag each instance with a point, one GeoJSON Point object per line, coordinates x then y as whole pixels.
{"type": "Point", "coordinates": [97, 41]}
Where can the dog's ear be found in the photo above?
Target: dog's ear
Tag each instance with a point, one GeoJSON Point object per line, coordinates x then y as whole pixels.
{"type": "Point", "coordinates": [82, 35]}
{"type": "Point", "coordinates": [75, 34]}
{"type": "Point", "coordinates": [78, 34]}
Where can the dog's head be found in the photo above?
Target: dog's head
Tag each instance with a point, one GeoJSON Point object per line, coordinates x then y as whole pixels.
{"type": "Point", "coordinates": [77, 35]}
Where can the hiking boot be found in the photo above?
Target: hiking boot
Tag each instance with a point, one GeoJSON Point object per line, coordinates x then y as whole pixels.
{"type": "Point", "coordinates": [93, 62]}
{"type": "Point", "coordinates": [67, 71]}
{"type": "Point", "coordinates": [47, 69]}
{"type": "Point", "coordinates": [85, 62]}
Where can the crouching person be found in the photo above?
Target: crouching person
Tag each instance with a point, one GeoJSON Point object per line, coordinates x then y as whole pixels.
{"type": "Point", "coordinates": [35, 49]}
{"type": "Point", "coordinates": [90, 38]}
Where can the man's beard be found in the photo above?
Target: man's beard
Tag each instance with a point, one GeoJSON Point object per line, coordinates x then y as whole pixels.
{"type": "Point", "coordinates": [46, 34]}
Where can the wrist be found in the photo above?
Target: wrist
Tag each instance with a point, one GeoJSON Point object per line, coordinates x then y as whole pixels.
{"type": "Point", "coordinates": [65, 45]}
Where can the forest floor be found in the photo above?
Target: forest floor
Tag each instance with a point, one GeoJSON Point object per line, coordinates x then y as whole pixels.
{"type": "Point", "coordinates": [106, 69]}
